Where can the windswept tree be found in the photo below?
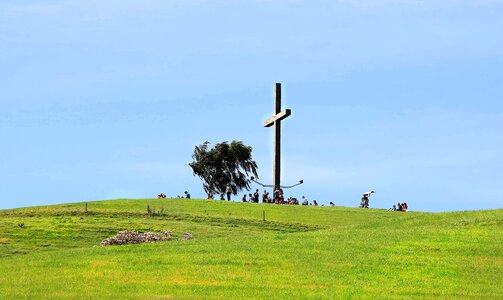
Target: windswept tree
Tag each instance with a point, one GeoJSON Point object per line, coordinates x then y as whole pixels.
{"type": "Point", "coordinates": [222, 165]}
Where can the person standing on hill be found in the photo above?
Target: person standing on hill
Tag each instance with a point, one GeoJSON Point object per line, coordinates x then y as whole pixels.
{"type": "Point", "coordinates": [255, 196]}
{"type": "Point", "coordinates": [228, 191]}
{"type": "Point", "coordinates": [364, 203]}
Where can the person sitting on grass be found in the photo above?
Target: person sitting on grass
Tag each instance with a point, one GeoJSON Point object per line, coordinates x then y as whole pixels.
{"type": "Point", "coordinates": [281, 197]}
{"type": "Point", "coordinates": [276, 195]}
{"type": "Point", "coordinates": [244, 198]}
{"type": "Point", "coordinates": [265, 196]}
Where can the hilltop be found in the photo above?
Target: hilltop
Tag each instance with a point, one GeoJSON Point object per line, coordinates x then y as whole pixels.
{"type": "Point", "coordinates": [297, 252]}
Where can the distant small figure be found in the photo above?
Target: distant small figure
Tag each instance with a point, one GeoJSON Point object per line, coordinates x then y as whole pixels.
{"type": "Point", "coordinates": [187, 195]}
{"type": "Point", "coordinates": [265, 196]}
{"type": "Point", "coordinates": [393, 208]}
{"type": "Point", "coordinates": [250, 198]}
{"type": "Point", "coordinates": [255, 196]}
{"type": "Point", "coordinates": [244, 198]}
{"type": "Point", "coordinates": [281, 197]}
{"type": "Point", "coordinates": [304, 201]}
{"type": "Point", "coordinates": [161, 196]}
{"type": "Point", "coordinates": [210, 196]}
{"type": "Point", "coordinates": [332, 204]}
{"type": "Point", "coordinates": [228, 191]}
{"type": "Point", "coordinates": [364, 203]}
{"type": "Point", "coordinates": [222, 196]}
{"type": "Point", "coordinates": [315, 203]}
{"type": "Point", "coordinates": [276, 195]}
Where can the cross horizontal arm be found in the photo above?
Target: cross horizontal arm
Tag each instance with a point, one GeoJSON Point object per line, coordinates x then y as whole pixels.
{"type": "Point", "coordinates": [282, 115]}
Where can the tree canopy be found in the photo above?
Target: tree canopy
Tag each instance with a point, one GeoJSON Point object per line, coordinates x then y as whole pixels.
{"type": "Point", "coordinates": [222, 165]}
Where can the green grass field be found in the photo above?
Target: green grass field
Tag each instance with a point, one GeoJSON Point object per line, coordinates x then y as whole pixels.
{"type": "Point", "coordinates": [298, 252]}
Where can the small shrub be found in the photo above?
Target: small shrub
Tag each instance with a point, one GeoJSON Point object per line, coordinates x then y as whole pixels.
{"type": "Point", "coordinates": [153, 212]}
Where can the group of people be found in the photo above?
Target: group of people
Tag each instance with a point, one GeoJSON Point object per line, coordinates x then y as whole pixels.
{"type": "Point", "coordinates": [162, 196]}
{"type": "Point", "coordinates": [277, 198]}
{"type": "Point", "coordinates": [364, 203]}
{"type": "Point", "coordinates": [400, 207]}
{"type": "Point", "coordinates": [228, 193]}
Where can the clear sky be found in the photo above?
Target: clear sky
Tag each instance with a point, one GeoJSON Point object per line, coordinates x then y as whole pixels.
{"type": "Point", "coordinates": [107, 99]}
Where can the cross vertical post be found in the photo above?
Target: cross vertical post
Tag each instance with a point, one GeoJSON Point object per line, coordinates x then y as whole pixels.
{"type": "Point", "coordinates": [276, 121]}
{"type": "Point", "coordinates": [277, 137]}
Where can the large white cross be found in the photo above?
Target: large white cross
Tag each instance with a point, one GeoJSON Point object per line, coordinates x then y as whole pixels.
{"type": "Point", "coordinates": [276, 121]}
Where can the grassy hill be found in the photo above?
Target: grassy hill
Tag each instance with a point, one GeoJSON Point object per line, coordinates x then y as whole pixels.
{"type": "Point", "coordinates": [298, 252]}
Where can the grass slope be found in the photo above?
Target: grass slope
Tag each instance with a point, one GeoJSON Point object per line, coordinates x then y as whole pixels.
{"type": "Point", "coordinates": [298, 252]}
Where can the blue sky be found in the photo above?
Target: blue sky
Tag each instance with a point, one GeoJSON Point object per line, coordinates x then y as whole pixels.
{"type": "Point", "coordinates": [107, 99]}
